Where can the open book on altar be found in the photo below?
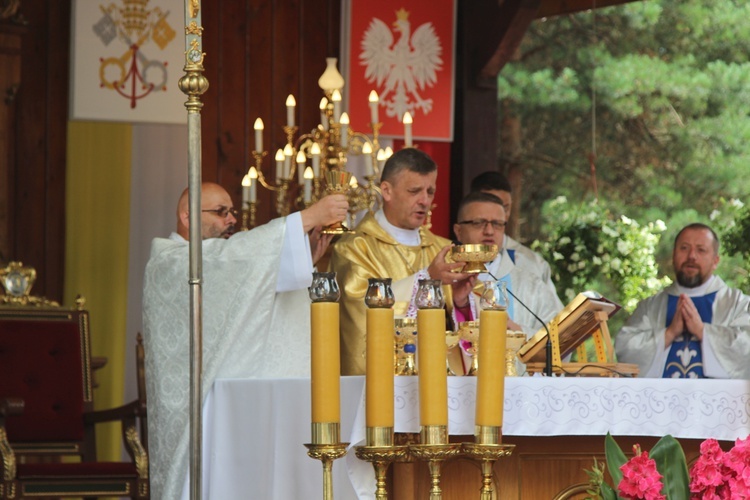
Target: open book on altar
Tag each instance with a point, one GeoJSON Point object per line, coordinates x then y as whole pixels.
{"type": "Point", "coordinates": [584, 317]}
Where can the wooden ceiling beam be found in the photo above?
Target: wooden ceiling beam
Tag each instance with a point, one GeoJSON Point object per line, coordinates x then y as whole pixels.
{"type": "Point", "coordinates": [551, 8]}
{"type": "Point", "coordinates": [513, 18]}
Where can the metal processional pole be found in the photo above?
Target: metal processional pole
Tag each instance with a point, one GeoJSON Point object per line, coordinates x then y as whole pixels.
{"type": "Point", "coordinates": [194, 84]}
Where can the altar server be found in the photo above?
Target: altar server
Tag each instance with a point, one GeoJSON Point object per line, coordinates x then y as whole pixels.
{"type": "Point", "coordinates": [697, 327]}
{"type": "Point", "coordinates": [256, 320]}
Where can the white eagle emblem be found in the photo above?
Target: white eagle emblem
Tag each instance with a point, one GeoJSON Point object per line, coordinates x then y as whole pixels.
{"type": "Point", "coordinates": [404, 69]}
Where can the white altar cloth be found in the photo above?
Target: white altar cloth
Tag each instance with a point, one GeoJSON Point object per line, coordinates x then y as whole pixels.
{"type": "Point", "coordinates": [254, 430]}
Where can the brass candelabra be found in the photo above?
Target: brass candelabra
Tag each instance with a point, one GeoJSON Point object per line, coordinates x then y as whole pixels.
{"type": "Point", "coordinates": [301, 166]}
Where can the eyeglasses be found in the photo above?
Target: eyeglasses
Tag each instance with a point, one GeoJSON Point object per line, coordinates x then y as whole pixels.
{"type": "Point", "coordinates": [223, 212]}
{"type": "Point", "coordinates": [482, 223]}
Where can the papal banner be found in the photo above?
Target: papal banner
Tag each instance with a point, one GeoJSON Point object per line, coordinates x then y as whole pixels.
{"type": "Point", "coordinates": [404, 50]}
{"type": "Point", "coordinates": [127, 60]}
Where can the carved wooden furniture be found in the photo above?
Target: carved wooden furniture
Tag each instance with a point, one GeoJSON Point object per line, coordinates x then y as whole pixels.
{"type": "Point", "coordinates": [46, 409]}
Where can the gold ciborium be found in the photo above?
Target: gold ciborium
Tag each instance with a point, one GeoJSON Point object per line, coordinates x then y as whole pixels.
{"type": "Point", "coordinates": [337, 182]}
{"type": "Point", "coordinates": [474, 256]}
{"type": "Point", "coordinates": [468, 331]}
{"type": "Point", "coordinates": [405, 346]}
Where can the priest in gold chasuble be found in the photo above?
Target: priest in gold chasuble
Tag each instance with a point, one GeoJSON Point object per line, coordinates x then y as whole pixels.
{"type": "Point", "coordinates": [392, 243]}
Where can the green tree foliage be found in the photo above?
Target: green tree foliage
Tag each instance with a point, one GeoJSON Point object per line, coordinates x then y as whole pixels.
{"type": "Point", "coordinates": [663, 87]}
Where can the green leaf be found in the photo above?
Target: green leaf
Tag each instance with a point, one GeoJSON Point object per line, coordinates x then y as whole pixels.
{"type": "Point", "coordinates": [670, 462]}
{"type": "Point", "coordinates": [615, 459]}
{"type": "Point", "coordinates": [608, 493]}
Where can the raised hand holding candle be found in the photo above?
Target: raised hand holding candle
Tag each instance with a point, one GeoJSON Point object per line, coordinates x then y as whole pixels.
{"type": "Point", "coordinates": [493, 325]}
{"type": "Point", "coordinates": [253, 176]}
{"type": "Point", "coordinates": [258, 126]}
{"type": "Point", "coordinates": [290, 104]}
{"type": "Point", "coordinates": [407, 129]}
{"type": "Point", "coordinates": [374, 102]}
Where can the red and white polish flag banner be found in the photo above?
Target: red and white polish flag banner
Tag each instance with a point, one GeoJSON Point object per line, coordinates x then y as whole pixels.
{"type": "Point", "coordinates": [404, 50]}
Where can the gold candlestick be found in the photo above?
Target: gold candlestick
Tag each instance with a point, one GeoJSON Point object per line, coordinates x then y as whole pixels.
{"type": "Point", "coordinates": [435, 449]}
{"type": "Point", "coordinates": [381, 452]}
{"type": "Point", "coordinates": [327, 453]}
{"type": "Point", "coordinates": [487, 449]}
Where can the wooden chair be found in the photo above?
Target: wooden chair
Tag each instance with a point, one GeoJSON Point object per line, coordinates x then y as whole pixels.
{"type": "Point", "coordinates": [46, 409]}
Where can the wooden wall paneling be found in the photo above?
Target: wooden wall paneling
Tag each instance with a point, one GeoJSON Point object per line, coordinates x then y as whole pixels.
{"type": "Point", "coordinates": [211, 16]}
{"type": "Point", "coordinates": [313, 51]}
{"type": "Point", "coordinates": [58, 78]}
{"type": "Point", "coordinates": [10, 82]}
{"type": "Point", "coordinates": [259, 60]}
{"type": "Point", "coordinates": [39, 190]}
{"type": "Point", "coordinates": [232, 155]}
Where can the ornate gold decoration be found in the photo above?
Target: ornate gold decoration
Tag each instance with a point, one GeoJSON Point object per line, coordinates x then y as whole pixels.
{"type": "Point", "coordinates": [381, 458]}
{"type": "Point", "coordinates": [194, 29]}
{"type": "Point", "coordinates": [487, 454]}
{"type": "Point", "coordinates": [9, 458]}
{"type": "Point", "coordinates": [435, 455]}
{"type": "Point", "coordinates": [327, 147]}
{"type": "Point", "coordinates": [139, 452]}
{"type": "Point", "coordinates": [327, 453]}
{"type": "Point", "coordinates": [195, 8]}
{"type": "Point", "coordinates": [17, 281]}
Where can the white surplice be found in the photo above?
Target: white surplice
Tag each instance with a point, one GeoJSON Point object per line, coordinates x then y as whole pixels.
{"type": "Point", "coordinates": [256, 323]}
{"type": "Point", "coordinates": [726, 341]}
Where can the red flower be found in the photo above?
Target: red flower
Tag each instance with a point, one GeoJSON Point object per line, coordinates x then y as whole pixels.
{"type": "Point", "coordinates": [640, 479]}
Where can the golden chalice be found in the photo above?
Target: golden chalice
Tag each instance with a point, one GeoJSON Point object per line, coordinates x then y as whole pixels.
{"type": "Point", "coordinates": [337, 182]}
{"type": "Point", "coordinates": [451, 343]}
{"type": "Point", "coordinates": [513, 342]}
{"type": "Point", "coordinates": [474, 256]}
{"type": "Point", "coordinates": [468, 331]}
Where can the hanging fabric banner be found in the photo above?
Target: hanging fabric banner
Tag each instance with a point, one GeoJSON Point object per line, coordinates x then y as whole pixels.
{"type": "Point", "coordinates": [404, 51]}
{"type": "Point", "coordinates": [126, 61]}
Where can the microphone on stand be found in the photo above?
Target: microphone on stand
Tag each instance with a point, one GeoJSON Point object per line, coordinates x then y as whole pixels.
{"type": "Point", "coordinates": [548, 347]}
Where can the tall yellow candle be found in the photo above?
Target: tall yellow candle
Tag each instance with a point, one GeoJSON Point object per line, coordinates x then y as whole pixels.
{"type": "Point", "coordinates": [493, 327]}
{"type": "Point", "coordinates": [379, 375]}
{"type": "Point", "coordinates": [325, 362]}
{"type": "Point", "coordinates": [431, 364]}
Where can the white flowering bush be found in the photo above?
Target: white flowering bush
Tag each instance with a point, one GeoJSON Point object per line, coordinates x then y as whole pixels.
{"type": "Point", "coordinates": [587, 244]}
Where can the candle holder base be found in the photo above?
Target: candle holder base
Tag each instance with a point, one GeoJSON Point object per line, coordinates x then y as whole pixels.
{"type": "Point", "coordinates": [327, 453]}
{"type": "Point", "coordinates": [435, 455]}
{"type": "Point", "coordinates": [487, 454]}
{"type": "Point", "coordinates": [381, 458]}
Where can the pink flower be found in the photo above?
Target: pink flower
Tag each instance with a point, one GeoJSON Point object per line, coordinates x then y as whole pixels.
{"type": "Point", "coordinates": [718, 475]}
{"type": "Point", "coordinates": [640, 479]}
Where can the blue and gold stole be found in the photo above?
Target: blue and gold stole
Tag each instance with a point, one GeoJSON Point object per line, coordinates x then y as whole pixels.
{"type": "Point", "coordinates": [685, 358]}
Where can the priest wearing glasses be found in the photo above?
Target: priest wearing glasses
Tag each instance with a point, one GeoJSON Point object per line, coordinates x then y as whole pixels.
{"type": "Point", "coordinates": [256, 313]}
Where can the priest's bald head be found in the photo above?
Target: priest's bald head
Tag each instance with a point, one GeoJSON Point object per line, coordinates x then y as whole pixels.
{"type": "Point", "coordinates": [408, 187]}
{"type": "Point", "coordinates": [218, 215]}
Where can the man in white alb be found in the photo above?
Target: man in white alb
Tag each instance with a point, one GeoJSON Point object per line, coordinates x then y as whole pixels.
{"type": "Point", "coordinates": [697, 327]}
{"type": "Point", "coordinates": [256, 315]}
